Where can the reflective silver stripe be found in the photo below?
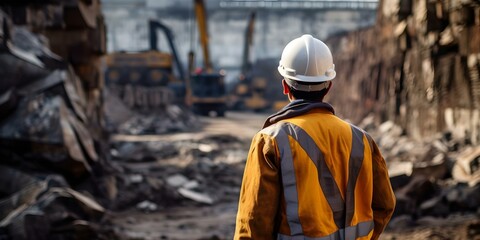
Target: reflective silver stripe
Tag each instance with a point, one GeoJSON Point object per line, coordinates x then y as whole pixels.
{"type": "Point", "coordinates": [360, 230]}
{"type": "Point", "coordinates": [353, 232]}
{"type": "Point", "coordinates": [354, 164]}
{"type": "Point", "coordinates": [327, 182]}
{"type": "Point", "coordinates": [288, 177]}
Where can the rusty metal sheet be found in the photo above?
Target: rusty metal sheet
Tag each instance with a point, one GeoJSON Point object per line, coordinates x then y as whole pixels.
{"type": "Point", "coordinates": [16, 71]}
{"type": "Point", "coordinates": [25, 196]}
{"type": "Point", "coordinates": [84, 137]}
{"type": "Point", "coordinates": [89, 205]}
{"type": "Point", "coordinates": [63, 80]}
{"type": "Point", "coordinates": [71, 141]}
{"type": "Point", "coordinates": [53, 79]}
{"type": "Point", "coordinates": [34, 120]}
{"type": "Point", "coordinates": [51, 214]}
{"type": "Point", "coordinates": [40, 131]}
{"type": "Point", "coordinates": [24, 55]}
{"type": "Point", "coordinates": [75, 94]}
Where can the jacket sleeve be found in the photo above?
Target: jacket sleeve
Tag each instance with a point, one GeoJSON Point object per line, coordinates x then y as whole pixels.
{"type": "Point", "coordinates": [383, 203]}
{"type": "Point", "coordinates": [260, 191]}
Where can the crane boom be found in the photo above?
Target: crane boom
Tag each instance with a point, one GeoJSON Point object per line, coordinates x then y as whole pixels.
{"type": "Point", "coordinates": [246, 64]}
{"type": "Point", "coordinates": [201, 16]}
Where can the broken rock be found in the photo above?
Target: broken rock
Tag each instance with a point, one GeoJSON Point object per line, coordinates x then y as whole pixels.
{"type": "Point", "coordinates": [400, 174]}
{"type": "Point", "coordinates": [196, 196]}
{"type": "Point", "coordinates": [147, 206]}
{"type": "Point", "coordinates": [177, 180]}
{"type": "Point", "coordinates": [467, 166]}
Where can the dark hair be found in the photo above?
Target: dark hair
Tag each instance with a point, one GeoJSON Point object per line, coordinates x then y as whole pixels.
{"type": "Point", "coordinates": [311, 96]}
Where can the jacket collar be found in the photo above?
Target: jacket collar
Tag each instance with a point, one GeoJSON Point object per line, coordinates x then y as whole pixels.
{"type": "Point", "coordinates": [296, 108]}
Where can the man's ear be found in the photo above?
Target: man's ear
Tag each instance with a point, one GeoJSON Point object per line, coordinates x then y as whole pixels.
{"type": "Point", "coordinates": [286, 90]}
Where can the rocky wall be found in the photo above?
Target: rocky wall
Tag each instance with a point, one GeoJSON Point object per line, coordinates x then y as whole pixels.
{"type": "Point", "coordinates": [418, 66]}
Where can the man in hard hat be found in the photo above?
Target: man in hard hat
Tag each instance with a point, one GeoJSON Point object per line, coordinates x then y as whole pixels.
{"type": "Point", "coordinates": [309, 174]}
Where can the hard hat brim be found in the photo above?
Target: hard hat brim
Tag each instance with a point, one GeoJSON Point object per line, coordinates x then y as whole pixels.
{"type": "Point", "coordinates": [303, 78]}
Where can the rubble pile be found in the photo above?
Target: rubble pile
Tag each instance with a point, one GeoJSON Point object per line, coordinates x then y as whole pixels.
{"type": "Point", "coordinates": [179, 173]}
{"type": "Point", "coordinates": [56, 176]}
{"type": "Point", "coordinates": [43, 206]}
{"type": "Point", "coordinates": [50, 143]}
{"type": "Point", "coordinates": [122, 119]}
{"type": "Point", "coordinates": [418, 66]}
{"type": "Point", "coordinates": [417, 71]}
{"type": "Point", "coordinates": [434, 177]}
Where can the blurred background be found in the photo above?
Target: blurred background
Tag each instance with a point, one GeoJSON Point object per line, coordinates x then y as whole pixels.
{"type": "Point", "coordinates": [132, 119]}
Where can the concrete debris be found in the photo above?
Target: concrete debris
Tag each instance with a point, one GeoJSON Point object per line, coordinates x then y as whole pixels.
{"type": "Point", "coordinates": [195, 196]}
{"type": "Point", "coordinates": [401, 222]}
{"type": "Point", "coordinates": [177, 180]}
{"type": "Point", "coordinates": [177, 173]}
{"type": "Point", "coordinates": [435, 177]}
{"type": "Point", "coordinates": [437, 168]}
{"type": "Point", "coordinates": [191, 184]}
{"type": "Point", "coordinates": [53, 172]}
{"type": "Point", "coordinates": [463, 197]}
{"type": "Point", "coordinates": [184, 187]}
{"type": "Point", "coordinates": [182, 172]}
{"type": "Point", "coordinates": [48, 127]}
{"type": "Point", "coordinates": [43, 208]}
{"type": "Point", "coordinates": [205, 148]}
{"type": "Point", "coordinates": [142, 152]}
{"type": "Point", "coordinates": [116, 112]}
{"type": "Point", "coordinates": [165, 119]}
{"type": "Point", "coordinates": [400, 174]}
{"type": "Point", "coordinates": [418, 67]}
{"type": "Point", "coordinates": [136, 178]}
{"type": "Point", "coordinates": [147, 206]}
{"type": "Point", "coordinates": [467, 166]}
{"type": "Point", "coordinates": [14, 60]}
{"type": "Point", "coordinates": [29, 42]}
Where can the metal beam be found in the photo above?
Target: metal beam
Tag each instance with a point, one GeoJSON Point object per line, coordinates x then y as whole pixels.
{"type": "Point", "coordinates": [326, 4]}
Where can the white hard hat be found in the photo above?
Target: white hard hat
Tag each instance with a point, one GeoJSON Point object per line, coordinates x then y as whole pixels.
{"type": "Point", "coordinates": [307, 59]}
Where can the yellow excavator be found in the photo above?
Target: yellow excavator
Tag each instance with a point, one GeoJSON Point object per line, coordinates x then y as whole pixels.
{"type": "Point", "coordinates": [145, 79]}
{"type": "Point", "coordinates": [205, 88]}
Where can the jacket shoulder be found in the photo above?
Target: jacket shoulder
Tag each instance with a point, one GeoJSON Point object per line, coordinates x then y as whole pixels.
{"type": "Point", "coordinates": [272, 130]}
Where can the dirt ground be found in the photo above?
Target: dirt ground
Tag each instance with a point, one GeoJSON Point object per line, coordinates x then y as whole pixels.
{"type": "Point", "coordinates": [217, 221]}
{"type": "Point", "coordinates": [453, 227]}
{"type": "Point", "coordinates": [197, 221]}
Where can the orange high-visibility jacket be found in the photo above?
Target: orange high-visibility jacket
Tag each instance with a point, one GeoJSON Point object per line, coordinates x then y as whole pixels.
{"type": "Point", "coordinates": [310, 175]}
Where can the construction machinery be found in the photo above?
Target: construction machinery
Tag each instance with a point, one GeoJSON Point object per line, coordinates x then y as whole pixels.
{"type": "Point", "coordinates": [146, 80]}
{"type": "Point", "coordinates": [206, 88]}
{"type": "Point", "coordinates": [250, 90]}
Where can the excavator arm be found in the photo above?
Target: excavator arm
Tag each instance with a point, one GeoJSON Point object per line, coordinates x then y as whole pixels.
{"type": "Point", "coordinates": [153, 26]}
